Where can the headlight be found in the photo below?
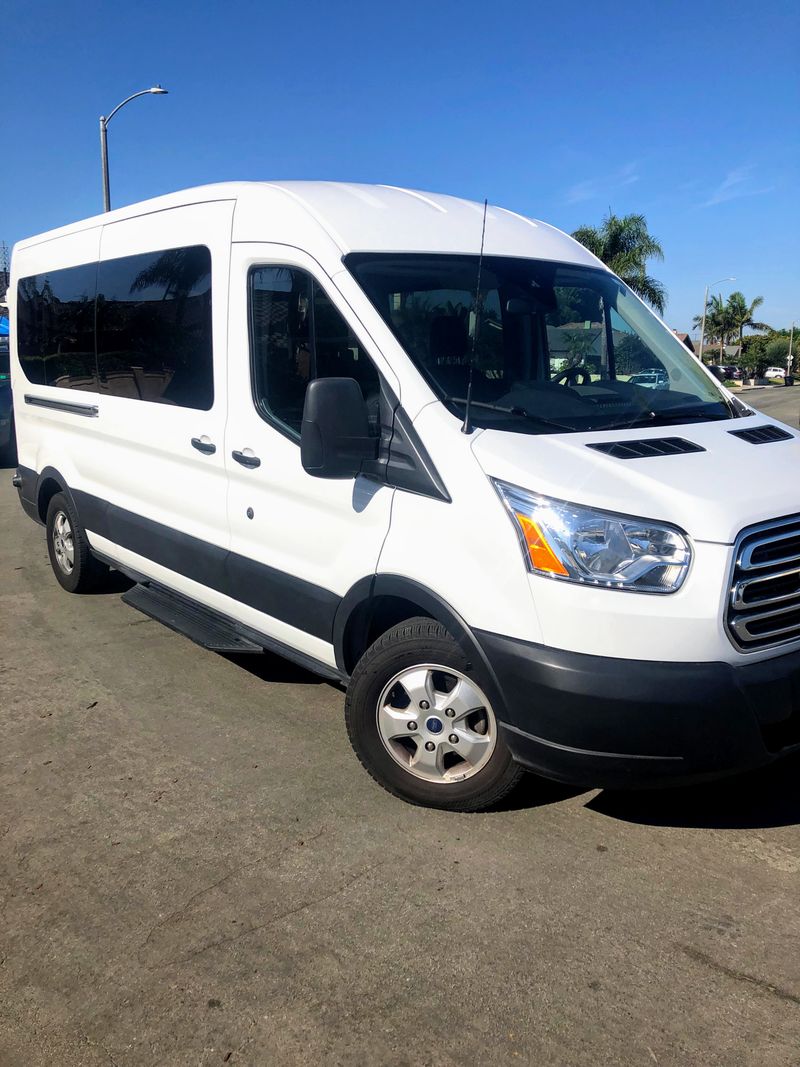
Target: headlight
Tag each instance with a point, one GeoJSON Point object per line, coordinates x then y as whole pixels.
{"type": "Point", "coordinates": [578, 544]}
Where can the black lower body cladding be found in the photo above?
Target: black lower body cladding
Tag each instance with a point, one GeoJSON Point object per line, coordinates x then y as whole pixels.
{"type": "Point", "coordinates": [613, 723]}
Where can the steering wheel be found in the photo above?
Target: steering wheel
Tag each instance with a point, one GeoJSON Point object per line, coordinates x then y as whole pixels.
{"type": "Point", "coordinates": [579, 375]}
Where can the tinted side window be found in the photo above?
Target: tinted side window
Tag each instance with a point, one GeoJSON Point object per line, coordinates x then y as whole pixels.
{"type": "Point", "coordinates": [55, 327]}
{"type": "Point", "coordinates": [296, 335]}
{"type": "Point", "coordinates": [154, 327]}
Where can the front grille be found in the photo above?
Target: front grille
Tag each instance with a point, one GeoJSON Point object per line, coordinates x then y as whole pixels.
{"type": "Point", "coordinates": [764, 603]}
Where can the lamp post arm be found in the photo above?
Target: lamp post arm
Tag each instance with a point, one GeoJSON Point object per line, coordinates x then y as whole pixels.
{"type": "Point", "coordinates": [110, 116]}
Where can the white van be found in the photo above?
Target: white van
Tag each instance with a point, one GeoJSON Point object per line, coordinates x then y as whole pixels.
{"type": "Point", "coordinates": [311, 418]}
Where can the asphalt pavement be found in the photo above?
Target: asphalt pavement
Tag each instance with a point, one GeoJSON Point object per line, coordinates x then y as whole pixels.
{"type": "Point", "coordinates": [778, 401]}
{"type": "Point", "coordinates": [194, 869]}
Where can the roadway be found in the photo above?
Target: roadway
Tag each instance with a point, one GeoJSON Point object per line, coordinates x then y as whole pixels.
{"type": "Point", "coordinates": [194, 869]}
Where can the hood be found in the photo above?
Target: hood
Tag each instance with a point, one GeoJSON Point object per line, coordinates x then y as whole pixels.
{"type": "Point", "coordinates": [711, 494]}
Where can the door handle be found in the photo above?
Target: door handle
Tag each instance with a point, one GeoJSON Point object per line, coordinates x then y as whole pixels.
{"type": "Point", "coordinates": [245, 459]}
{"type": "Point", "coordinates": [202, 444]}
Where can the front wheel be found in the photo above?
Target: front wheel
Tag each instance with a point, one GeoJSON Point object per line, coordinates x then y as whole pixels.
{"type": "Point", "coordinates": [421, 724]}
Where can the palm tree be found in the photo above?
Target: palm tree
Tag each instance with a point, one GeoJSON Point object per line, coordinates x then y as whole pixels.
{"type": "Point", "coordinates": [624, 244]}
{"type": "Point", "coordinates": [719, 323]}
{"type": "Point", "coordinates": [741, 314]}
{"type": "Point", "coordinates": [727, 319]}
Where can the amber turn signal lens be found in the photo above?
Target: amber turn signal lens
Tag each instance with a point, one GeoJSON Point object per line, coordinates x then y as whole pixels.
{"type": "Point", "coordinates": [542, 556]}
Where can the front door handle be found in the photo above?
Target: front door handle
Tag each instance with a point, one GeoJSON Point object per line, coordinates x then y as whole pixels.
{"type": "Point", "coordinates": [202, 444]}
{"type": "Point", "coordinates": [247, 459]}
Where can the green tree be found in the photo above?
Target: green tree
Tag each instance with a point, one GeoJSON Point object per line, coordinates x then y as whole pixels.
{"type": "Point", "coordinates": [624, 244]}
{"type": "Point", "coordinates": [720, 326]}
{"type": "Point", "coordinates": [753, 359]}
{"type": "Point", "coordinates": [777, 350]}
{"type": "Point", "coordinates": [742, 314]}
{"type": "Point", "coordinates": [727, 319]}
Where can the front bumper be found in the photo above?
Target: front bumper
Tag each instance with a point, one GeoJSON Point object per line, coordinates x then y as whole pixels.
{"type": "Point", "coordinates": [612, 723]}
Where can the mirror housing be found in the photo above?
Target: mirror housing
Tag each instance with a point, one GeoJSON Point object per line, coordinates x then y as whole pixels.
{"type": "Point", "coordinates": [334, 436]}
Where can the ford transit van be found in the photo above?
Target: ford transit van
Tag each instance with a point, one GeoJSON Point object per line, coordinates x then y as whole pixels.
{"type": "Point", "coordinates": [407, 441]}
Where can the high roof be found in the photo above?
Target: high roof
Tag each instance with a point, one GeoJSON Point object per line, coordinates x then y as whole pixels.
{"type": "Point", "coordinates": [356, 217]}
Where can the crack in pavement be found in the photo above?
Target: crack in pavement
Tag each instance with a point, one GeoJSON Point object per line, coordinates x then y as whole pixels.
{"type": "Point", "coordinates": [739, 976]}
{"type": "Point", "coordinates": [268, 922]}
{"type": "Point", "coordinates": [181, 911]}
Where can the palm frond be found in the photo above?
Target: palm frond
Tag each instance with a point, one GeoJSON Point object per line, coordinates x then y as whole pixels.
{"type": "Point", "coordinates": [624, 244]}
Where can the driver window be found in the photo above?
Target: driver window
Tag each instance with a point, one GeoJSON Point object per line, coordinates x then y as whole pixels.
{"type": "Point", "coordinates": [297, 335]}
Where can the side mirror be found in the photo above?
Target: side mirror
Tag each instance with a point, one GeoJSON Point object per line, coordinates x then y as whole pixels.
{"type": "Point", "coordinates": [334, 437]}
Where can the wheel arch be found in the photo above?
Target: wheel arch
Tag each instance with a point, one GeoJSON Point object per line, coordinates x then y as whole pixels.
{"type": "Point", "coordinates": [376, 604]}
{"type": "Point", "coordinates": [50, 482]}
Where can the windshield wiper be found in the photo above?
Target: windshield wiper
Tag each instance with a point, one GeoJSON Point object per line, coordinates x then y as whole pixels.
{"type": "Point", "coordinates": [688, 414]}
{"type": "Point", "coordinates": [518, 412]}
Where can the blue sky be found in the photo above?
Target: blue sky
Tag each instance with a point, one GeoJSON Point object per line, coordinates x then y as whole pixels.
{"type": "Point", "coordinates": [686, 111]}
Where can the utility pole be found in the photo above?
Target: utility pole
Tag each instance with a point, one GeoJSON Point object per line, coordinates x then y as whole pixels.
{"type": "Point", "coordinates": [4, 269]}
{"type": "Point", "coordinates": [789, 357]}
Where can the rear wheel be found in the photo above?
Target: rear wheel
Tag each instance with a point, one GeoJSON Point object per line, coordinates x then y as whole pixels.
{"type": "Point", "coordinates": [420, 721]}
{"type": "Point", "coordinates": [73, 564]}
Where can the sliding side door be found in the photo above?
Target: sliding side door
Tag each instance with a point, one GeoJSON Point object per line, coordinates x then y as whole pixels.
{"type": "Point", "coordinates": [154, 496]}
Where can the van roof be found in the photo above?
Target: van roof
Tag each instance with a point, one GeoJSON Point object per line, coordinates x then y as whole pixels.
{"type": "Point", "coordinates": [359, 217]}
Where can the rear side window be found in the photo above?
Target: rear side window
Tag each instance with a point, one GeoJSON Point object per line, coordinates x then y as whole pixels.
{"type": "Point", "coordinates": [154, 327]}
{"type": "Point", "coordinates": [296, 335]}
{"type": "Point", "coordinates": [55, 327]}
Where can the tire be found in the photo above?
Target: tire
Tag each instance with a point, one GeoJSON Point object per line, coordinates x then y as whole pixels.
{"type": "Point", "coordinates": [436, 756]}
{"type": "Point", "coordinates": [73, 564]}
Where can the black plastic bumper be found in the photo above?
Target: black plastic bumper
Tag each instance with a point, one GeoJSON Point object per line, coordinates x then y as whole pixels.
{"type": "Point", "coordinates": [613, 723]}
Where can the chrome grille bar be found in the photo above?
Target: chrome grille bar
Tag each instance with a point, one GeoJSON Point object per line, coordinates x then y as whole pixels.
{"type": "Point", "coordinates": [761, 584]}
{"type": "Point", "coordinates": [764, 602]}
{"type": "Point", "coordinates": [747, 553]}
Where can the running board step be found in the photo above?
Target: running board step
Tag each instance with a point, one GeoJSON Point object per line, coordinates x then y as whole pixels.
{"type": "Point", "coordinates": [201, 626]}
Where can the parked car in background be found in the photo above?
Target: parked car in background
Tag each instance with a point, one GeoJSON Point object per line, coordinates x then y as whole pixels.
{"type": "Point", "coordinates": [775, 372]}
{"type": "Point", "coordinates": [653, 379]}
{"type": "Point", "coordinates": [726, 372]}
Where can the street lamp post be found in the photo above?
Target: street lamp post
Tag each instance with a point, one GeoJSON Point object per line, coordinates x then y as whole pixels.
{"type": "Point", "coordinates": [104, 121]}
{"type": "Point", "coordinates": [705, 305]}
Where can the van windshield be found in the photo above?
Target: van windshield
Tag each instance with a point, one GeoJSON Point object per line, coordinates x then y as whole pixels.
{"type": "Point", "coordinates": [557, 347]}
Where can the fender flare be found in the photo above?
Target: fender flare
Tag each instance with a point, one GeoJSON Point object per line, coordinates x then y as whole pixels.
{"type": "Point", "coordinates": [430, 603]}
{"type": "Point", "coordinates": [50, 474]}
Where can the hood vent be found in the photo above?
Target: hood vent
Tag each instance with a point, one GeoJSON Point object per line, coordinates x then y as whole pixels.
{"type": "Point", "coordinates": [653, 446]}
{"type": "Point", "coordinates": [762, 435]}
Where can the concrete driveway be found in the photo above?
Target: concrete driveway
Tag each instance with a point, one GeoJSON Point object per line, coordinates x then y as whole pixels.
{"type": "Point", "coordinates": [194, 869]}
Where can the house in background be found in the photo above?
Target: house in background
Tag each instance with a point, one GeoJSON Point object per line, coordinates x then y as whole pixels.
{"type": "Point", "coordinates": [685, 339]}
